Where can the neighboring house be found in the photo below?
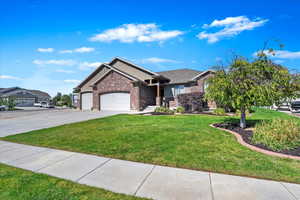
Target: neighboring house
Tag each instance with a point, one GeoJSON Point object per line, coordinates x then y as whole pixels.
{"type": "Point", "coordinates": [24, 97]}
{"type": "Point", "coordinates": [41, 96]}
{"type": "Point", "coordinates": [122, 85]}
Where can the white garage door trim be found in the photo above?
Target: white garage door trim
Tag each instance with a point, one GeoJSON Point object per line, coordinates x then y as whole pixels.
{"type": "Point", "coordinates": [115, 101]}
{"type": "Point", "coordinates": [87, 101]}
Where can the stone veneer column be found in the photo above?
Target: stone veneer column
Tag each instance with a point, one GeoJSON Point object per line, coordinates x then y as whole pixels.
{"type": "Point", "coordinates": [96, 99]}
{"type": "Point", "coordinates": [135, 97]}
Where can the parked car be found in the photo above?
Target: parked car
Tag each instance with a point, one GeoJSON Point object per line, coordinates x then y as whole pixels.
{"type": "Point", "coordinates": [45, 104]}
{"type": "Point", "coordinates": [295, 106]}
{"type": "Point", "coordinates": [49, 105]}
{"type": "Point", "coordinates": [3, 107]}
{"type": "Point", "coordinates": [37, 104]}
{"type": "Point", "coordinates": [283, 106]}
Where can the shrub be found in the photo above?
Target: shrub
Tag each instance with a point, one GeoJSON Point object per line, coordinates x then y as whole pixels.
{"type": "Point", "coordinates": [277, 134]}
{"type": "Point", "coordinates": [11, 104]}
{"type": "Point", "coordinates": [180, 109]}
{"type": "Point", "coordinates": [163, 110]}
{"type": "Point", "coordinates": [219, 111]}
{"type": "Point", "coordinates": [192, 102]}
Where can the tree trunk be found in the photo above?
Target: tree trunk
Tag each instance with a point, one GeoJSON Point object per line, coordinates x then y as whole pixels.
{"type": "Point", "coordinates": [243, 119]}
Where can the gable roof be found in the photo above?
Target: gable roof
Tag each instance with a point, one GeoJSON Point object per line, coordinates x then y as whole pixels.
{"type": "Point", "coordinates": [132, 64]}
{"type": "Point", "coordinates": [40, 94]}
{"type": "Point", "coordinates": [172, 76]}
{"type": "Point", "coordinates": [116, 70]}
{"type": "Point", "coordinates": [153, 74]}
{"type": "Point", "coordinates": [21, 92]}
{"type": "Point", "coordinates": [99, 68]}
{"type": "Point", "coordinates": [203, 73]}
{"type": "Point", "coordinates": [180, 75]}
{"type": "Point", "coordinates": [5, 90]}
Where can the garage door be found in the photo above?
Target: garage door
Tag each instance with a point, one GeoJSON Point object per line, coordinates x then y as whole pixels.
{"type": "Point", "coordinates": [115, 101]}
{"type": "Point", "coordinates": [86, 101]}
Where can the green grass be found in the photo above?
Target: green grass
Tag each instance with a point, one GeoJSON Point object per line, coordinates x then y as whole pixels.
{"type": "Point", "coordinates": [17, 184]}
{"type": "Point", "coordinates": [185, 141]}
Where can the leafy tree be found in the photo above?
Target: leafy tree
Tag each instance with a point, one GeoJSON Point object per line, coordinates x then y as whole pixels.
{"type": "Point", "coordinates": [9, 102]}
{"type": "Point", "coordinates": [66, 100]}
{"type": "Point", "coordinates": [245, 84]}
{"type": "Point", "coordinates": [57, 98]}
{"type": "Point", "coordinates": [2, 101]}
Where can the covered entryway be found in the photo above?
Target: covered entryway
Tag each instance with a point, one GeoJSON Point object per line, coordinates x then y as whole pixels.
{"type": "Point", "coordinates": [115, 101]}
{"type": "Point", "coordinates": [87, 101]}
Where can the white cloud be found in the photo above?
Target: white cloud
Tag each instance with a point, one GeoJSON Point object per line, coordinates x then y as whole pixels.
{"type": "Point", "coordinates": [54, 62]}
{"type": "Point", "coordinates": [65, 71]}
{"type": "Point", "coordinates": [231, 26]}
{"type": "Point", "coordinates": [72, 81]}
{"type": "Point", "coordinates": [89, 65]}
{"type": "Point", "coordinates": [66, 51]}
{"type": "Point", "coordinates": [84, 49]}
{"type": "Point", "coordinates": [158, 60]}
{"type": "Point", "coordinates": [78, 50]}
{"type": "Point", "coordinates": [10, 77]}
{"type": "Point", "coordinates": [45, 50]}
{"type": "Point", "coordinates": [282, 54]}
{"type": "Point", "coordinates": [128, 33]}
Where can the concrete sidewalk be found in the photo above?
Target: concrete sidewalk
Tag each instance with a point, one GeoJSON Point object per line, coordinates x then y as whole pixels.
{"type": "Point", "coordinates": [143, 180]}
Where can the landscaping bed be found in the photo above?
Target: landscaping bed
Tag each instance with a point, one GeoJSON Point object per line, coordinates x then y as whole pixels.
{"type": "Point", "coordinates": [247, 134]}
{"type": "Point", "coordinates": [185, 113]}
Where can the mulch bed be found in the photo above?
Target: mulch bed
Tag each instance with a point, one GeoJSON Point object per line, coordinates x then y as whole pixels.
{"type": "Point", "coordinates": [185, 113]}
{"type": "Point", "coordinates": [247, 135]}
{"type": "Point", "coordinates": [155, 113]}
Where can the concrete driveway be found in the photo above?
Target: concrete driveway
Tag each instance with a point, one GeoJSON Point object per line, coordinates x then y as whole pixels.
{"type": "Point", "coordinates": [15, 122]}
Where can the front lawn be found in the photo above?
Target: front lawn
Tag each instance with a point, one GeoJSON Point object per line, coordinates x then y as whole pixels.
{"type": "Point", "coordinates": [185, 141]}
{"type": "Point", "coordinates": [17, 184]}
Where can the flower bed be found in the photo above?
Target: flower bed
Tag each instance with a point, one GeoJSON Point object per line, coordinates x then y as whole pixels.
{"type": "Point", "coordinates": [246, 135]}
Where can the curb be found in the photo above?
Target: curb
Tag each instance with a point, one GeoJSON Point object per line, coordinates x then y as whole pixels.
{"type": "Point", "coordinates": [254, 148]}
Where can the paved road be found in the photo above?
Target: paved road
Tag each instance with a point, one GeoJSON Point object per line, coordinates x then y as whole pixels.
{"type": "Point", "coordinates": [15, 122]}
{"type": "Point", "coordinates": [143, 180]}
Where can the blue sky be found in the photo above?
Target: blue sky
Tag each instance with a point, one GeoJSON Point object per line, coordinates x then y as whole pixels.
{"type": "Point", "coordinates": [53, 44]}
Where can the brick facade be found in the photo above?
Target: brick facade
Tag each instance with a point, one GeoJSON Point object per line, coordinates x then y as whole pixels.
{"type": "Point", "coordinates": [140, 95]}
{"type": "Point", "coordinates": [199, 87]}
{"type": "Point", "coordinates": [113, 82]}
{"type": "Point", "coordinates": [193, 87]}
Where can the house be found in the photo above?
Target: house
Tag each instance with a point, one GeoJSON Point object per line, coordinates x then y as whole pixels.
{"type": "Point", "coordinates": [122, 85]}
{"type": "Point", "coordinates": [23, 97]}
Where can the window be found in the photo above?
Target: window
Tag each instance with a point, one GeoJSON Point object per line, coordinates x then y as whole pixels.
{"type": "Point", "coordinates": [178, 89]}
{"type": "Point", "coordinates": [205, 85]}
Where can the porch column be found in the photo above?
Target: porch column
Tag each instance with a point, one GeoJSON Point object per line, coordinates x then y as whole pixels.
{"type": "Point", "coordinates": [158, 98]}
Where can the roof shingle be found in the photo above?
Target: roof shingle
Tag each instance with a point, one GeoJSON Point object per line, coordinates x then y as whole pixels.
{"type": "Point", "coordinates": [180, 75]}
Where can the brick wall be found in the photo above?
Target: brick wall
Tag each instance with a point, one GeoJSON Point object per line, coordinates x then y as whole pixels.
{"type": "Point", "coordinates": [199, 87]}
{"type": "Point", "coordinates": [115, 82]}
